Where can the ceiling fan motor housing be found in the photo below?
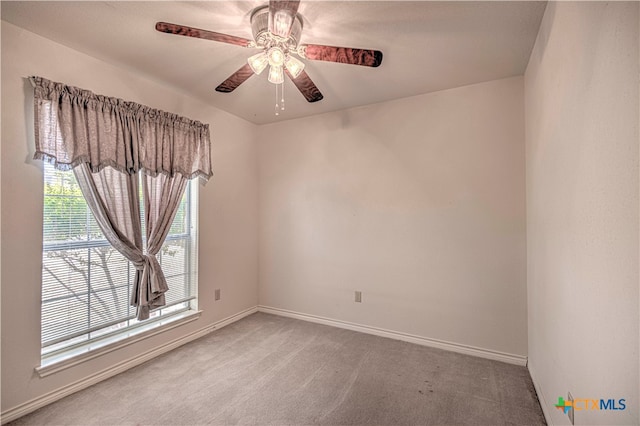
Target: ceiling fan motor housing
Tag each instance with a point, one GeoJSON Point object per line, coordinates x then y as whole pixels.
{"type": "Point", "coordinates": [264, 38]}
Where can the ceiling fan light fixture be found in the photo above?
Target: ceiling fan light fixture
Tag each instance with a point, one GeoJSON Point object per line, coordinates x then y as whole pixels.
{"type": "Point", "coordinates": [276, 74]}
{"type": "Point", "coordinates": [294, 66]}
{"type": "Point", "coordinates": [258, 62]}
{"type": "Point", "coordinates": [276, 57]}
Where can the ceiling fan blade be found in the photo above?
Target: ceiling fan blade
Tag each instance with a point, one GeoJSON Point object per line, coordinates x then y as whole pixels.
{"type": "Point", "coordinates": [282, 14]}
{"type": "Point", "coordinates": [235, 79]}
{"type": "Point", "coordinates": [306, 86]}
{"type": "Point", "coordinates": [183, 30]}
{"type": "Point", "coordinates": [345, 55]}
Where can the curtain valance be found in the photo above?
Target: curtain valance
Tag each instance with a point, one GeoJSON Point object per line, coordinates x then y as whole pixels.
{"type": "Point", "coordinates": [75, 126]}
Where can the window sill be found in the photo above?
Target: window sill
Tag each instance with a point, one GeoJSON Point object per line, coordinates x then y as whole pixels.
{"type": "Point", "coordinates": [92, 350]}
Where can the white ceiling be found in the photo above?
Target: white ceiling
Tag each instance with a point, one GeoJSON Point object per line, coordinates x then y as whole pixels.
{"type": "Point", "coordinates": [427, 46]}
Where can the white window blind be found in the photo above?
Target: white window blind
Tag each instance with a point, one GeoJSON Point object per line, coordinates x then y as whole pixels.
{"type": "Point", "coordinates": [86, 284]}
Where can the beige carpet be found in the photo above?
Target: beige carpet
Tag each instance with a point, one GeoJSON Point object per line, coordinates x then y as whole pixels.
{"type": "Point", "coordinates": [271, 370]}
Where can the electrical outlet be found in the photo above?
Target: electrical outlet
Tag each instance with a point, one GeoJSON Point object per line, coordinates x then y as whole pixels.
{"type": "Point", "coordinates": [572, 409]}
{"type": "Point", "coordinates": [359, 296]}
{"type": "Point", "coordinates": [217, 294]}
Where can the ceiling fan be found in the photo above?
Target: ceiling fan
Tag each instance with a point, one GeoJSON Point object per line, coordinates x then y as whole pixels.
{"type": "Point", "coordinates": [276, 32]}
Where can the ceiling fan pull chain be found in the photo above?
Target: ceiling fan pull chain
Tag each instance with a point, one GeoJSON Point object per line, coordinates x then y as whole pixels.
{"type": "Point", "coordinates": [277, 107]}
{"type": "Point", "coordinates": [282, 99]}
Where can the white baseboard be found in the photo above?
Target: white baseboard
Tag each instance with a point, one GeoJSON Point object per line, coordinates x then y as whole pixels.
{"type": "Point", "coordinates": [39, 402]}
{"type": "Point", "coordinates": [541, 399]}
{"type": "Point", "coordinates": [424, 341]}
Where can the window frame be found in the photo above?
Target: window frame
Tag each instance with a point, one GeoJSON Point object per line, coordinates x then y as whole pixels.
{"type": "Point", "coordinates": [54, 358]}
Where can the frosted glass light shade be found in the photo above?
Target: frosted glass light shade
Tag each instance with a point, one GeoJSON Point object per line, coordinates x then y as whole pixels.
{"type": "Point", "coordinates": [276, 57]}
{"type": "Point", "coordinates": [276, 75]}
{"type": "Point", "coordinates": [294, 66]}
{"type": "Point", "coordinates": [258, 62]}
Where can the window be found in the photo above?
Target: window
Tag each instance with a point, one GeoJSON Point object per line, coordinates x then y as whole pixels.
{"type": "Point", "coordinates": [86, 284]}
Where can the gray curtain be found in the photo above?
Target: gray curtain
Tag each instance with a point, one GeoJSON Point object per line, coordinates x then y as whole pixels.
{"type": "Point", "coordinates": [162, 195]}
{"type": "Point", "coordinates": [109, 143]}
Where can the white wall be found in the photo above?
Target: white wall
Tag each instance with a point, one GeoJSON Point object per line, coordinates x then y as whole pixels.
{"type": "Point", "coordinates": [419, 203]}
{"type": "Point", "coordinates": [228, 206]}
{"type": "Point", "coordinates": [581, 91]}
